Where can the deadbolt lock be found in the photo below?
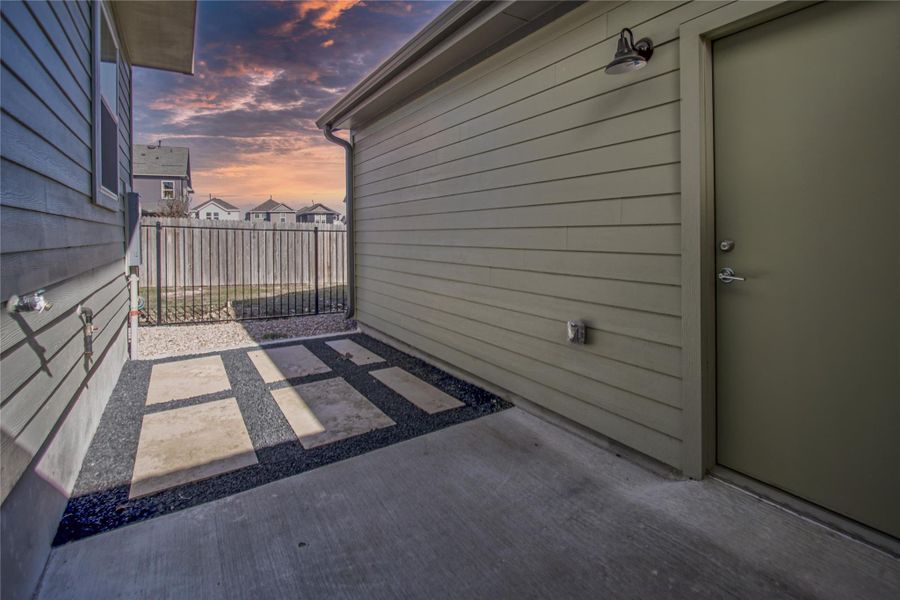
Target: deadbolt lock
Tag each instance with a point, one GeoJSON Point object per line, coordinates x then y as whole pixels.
{"type": "Point", "coordinates": [726, 245]}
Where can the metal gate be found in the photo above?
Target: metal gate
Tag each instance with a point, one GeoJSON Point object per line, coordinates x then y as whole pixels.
{"type": "Point", "coordinates": [196, 271]}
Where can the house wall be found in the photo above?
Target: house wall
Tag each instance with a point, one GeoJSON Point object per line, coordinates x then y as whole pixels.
{"type": "Point", "coordinates": [329, 218]}
{"type": "Point", "coordinates": [224, 215]}
{"type": "Point", "coordinates": [252, 216]}
{"type": "Point", "coordinates": [533, 189]}
{"type": "Point", "coordinates": [150, 189]}
{"type": "Point", "coordinates": [53, 237]}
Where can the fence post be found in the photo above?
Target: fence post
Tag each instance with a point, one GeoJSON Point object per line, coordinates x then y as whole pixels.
{"type": "Point", "coordinates": [158, 273]}
{"type": "Point", "coordinates": [316, 261]}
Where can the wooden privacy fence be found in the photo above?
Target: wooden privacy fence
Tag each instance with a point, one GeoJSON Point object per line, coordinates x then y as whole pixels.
{"type": "Point", "coordinates": [196, 270]}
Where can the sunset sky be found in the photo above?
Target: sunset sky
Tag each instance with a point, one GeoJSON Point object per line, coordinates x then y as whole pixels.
{"type": "Point", "coordinates": [263, 72]}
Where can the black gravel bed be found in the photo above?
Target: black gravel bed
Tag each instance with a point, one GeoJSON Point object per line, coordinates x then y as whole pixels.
{"type": "Point", "coordinates": [100, 498]}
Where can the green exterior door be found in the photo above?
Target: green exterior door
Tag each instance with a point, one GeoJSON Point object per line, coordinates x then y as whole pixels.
{"type": "Point", "coordinates": [807, 172]}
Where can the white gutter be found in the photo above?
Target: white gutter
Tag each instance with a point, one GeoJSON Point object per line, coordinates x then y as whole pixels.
{"type": "Point", "coordinates": [348, 218]}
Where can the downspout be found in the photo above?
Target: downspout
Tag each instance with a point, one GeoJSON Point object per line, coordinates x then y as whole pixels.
{"type": "Point", "coordinates": [348, 200]}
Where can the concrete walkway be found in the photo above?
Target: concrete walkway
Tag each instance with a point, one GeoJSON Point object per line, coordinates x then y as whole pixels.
{"type": "Point", "coordinates": [506, 506]}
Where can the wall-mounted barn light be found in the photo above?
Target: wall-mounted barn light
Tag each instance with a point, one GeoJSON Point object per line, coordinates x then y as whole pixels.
{"type": "Point", "coordinates": [630, 55]}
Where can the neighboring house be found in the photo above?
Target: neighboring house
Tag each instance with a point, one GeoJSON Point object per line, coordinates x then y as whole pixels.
{"type": "Point", "coordinates": [271, 210]}
{"type": "Point", "coordinates": [510, 175]}
{"type": "Point", "coordinates": [162, 176]}
{"type": "Point", "coordinates": [216, 209]}
{"type": "Point", "coordinates": [66, 170]}
{"type": "Point", "coordinates": [318, 213]}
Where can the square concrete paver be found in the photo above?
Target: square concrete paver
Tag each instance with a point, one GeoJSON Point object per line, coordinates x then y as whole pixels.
{"type": "Point", "coordinates": [187, 379]}
{"type": "Point", "coordinates": [327, 411]}
{"type": "Point", "coordinates": [285, 362]}
{"type": "Point", "coordinates": [355, 352]}
{"type": "Point", "coordinates": [188, 444]}
{"type": "Point", "coordinates": [425, 396]}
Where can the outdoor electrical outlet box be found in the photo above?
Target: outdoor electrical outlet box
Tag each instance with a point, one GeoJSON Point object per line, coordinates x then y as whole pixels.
{"type": "Point", "coordinates": [133, 229]}
{"type": "Point", "coordinates": [576, 332]}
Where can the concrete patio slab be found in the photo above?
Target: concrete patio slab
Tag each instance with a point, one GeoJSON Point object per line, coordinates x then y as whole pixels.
{"type": "Point", "coordinates": [359, 355]}
{"type": "Point", "coordinates": [506, 506]}
{"type": "Point", "coordinates": [188, 444]}
{"type": "Point", "coordinates": [327, 411]}
{"type": "Point", "coordinates": [286, 362]}
{"type": "Point", "coordinates": [187, 379]}
{"type": "Point", "coordinates": [425, 396]}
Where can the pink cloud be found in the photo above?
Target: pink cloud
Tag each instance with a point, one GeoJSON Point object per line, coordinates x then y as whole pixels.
{"type": "Point", "coordinates": [248, 114]}
{"type": "Point", "coordinates": [327, 11]}
{"type": "Point", "coordinates": [296, 177]}
{"type": "Point", "coordinates": [194, 100]}
{"type": "Point", "coordinates": [392, 8]}
{"type": "Point", "coordinates": [326, 14]}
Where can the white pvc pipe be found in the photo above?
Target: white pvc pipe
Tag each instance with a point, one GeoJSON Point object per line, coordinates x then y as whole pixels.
{"type": "Point", "coordinates": [133, 279]}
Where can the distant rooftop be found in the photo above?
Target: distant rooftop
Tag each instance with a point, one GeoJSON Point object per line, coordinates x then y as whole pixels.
{"type": "Point", "coordinates": [316, 208]}
{"type": "Point", "coordinates": [272, 206]}
{"type": "Point", "coordinates": [162, 161]}
{"type": "Point", "coordinates": [219, 201]}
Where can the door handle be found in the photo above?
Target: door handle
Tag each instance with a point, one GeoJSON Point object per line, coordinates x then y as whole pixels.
{"type": "Point", "coordinates": [726, 275]}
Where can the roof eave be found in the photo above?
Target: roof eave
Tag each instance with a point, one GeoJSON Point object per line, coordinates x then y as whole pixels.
{"type": "Point", "coordinates": [166, 175]}
{"type": "Point", "coordinates": [455, 15]}
{"type": "Point", "coordinates": [465, 33]}
{"type": "Point", "coordinates": [218, 203]}
{"type": "Point", "coordinates": [158, 34]}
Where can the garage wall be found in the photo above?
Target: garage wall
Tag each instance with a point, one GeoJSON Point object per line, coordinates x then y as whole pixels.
{"type": "Point", "coordinates": [530, 190]}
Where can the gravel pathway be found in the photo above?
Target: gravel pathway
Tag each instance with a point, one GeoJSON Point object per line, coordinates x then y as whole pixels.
{"type": "Point", "coordinates": [178, 340]}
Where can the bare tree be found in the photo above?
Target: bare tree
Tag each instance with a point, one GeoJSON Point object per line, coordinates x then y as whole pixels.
{"type": "Point", "coordinates": [174, 207]}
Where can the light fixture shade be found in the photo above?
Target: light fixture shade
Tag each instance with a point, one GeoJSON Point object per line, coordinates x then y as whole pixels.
{"type": "Point", "coordinates": [625, 64]}
{"type": "Point", "coordinates": [630, 55]}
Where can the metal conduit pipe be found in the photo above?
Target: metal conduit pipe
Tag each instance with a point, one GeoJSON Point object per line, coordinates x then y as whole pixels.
{"type": "Point", "coordinates": [348, 218]}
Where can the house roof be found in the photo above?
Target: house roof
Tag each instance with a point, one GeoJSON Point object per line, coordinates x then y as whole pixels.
{"type": "Point", "coordinates": [464, 34]}
{"type": "Point", "coordinates": [218, 202]}
{"type": "Point", "coordinates": [316, 208]}
{"type": "Point", "coordinates": [272, 206]}
{"type": "Point", "coordinates": [162, 161]}
{"type": "Point", "coordinates": [159, 34]}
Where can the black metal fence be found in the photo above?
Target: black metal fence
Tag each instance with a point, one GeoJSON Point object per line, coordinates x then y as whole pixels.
{"type": "Point", "coordinates": [197, 271]}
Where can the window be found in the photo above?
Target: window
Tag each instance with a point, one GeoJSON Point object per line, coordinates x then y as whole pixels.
{"type": "Point", "coordinates": [320, 219]}
{"type": "Point", "coordinates": [215, 216]}
{"type": "Point", "coordinates": [282, 219]}
{"type": "Point", "coordinates": [168, 190]}
{"type": "Point", "coordinates": [105, 115]}
{"type": "Point", "coordinates": [257, 216]}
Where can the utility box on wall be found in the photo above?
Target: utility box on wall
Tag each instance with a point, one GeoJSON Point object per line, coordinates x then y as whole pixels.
{"type": "Point", "coordinates": [133, 229]}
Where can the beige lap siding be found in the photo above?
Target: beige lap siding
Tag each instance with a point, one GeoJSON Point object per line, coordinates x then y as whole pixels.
{"type": "Point", "coordinates": [532, 189]}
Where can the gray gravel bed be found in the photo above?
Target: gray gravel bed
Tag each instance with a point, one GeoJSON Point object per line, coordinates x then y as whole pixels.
{"type": "Point", "coordinates": [180, 340]}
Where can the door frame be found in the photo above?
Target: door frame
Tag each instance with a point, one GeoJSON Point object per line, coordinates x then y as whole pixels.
{"type": "Point", "coordinates": [698, 259]}
{"type": "Point", "coordinates": [698, 290]}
